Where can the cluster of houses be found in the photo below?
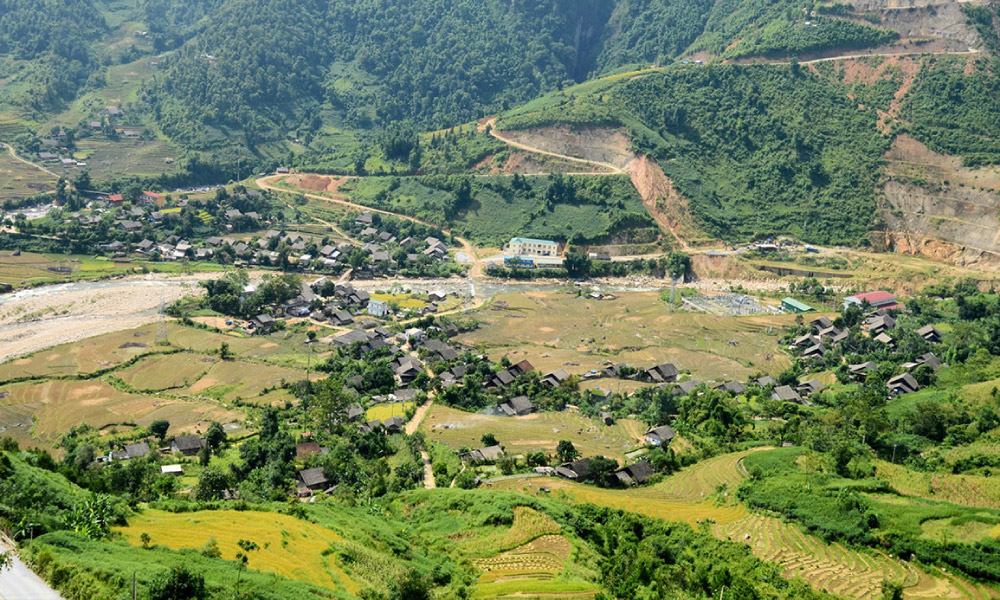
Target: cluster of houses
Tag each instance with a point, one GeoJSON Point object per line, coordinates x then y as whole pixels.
{"type": "Point", "coordinates": [878, 325]}
{"type": "Point", "coordinates": [185, 445]}
{"type": "Point", "coordinates": [378, 245]}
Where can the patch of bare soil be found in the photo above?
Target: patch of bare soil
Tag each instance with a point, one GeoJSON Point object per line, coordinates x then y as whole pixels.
{"type": "Point", "coordinates": [665, 204]}
{"type": "Point", "coordinates": [317, 183]}
{"type": "Point", "coordinates": [601, 145]}
{"type": "Point", "coordinates": [910, 158]}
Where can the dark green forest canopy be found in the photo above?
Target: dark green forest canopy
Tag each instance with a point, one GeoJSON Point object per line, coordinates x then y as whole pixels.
{"type": "Point", "coordinates": [761, 150]}
{"type": "Point", "coordinates": [263, 64]}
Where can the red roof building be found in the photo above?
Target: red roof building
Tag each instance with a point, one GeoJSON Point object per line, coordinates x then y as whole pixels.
{"type": "Point", "coordinates": [153, 198]}
{"type": "Point", "coordinates": [878, 299]}
{"type": "Point", "coordinates": [116, 198]}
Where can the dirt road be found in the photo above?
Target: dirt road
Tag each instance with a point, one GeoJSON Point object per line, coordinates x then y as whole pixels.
{"type": "Point", "coordinates": [16, 157]}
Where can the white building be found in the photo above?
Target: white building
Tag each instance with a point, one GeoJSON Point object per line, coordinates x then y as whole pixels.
{"type": "Point", "coordinates": [530, 247]}
{"type": "Point", "coordinates": [378, 308]}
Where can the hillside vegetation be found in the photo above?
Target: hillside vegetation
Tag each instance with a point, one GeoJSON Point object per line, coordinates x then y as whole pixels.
{"type": "Point", "coordinates": [758, 150]}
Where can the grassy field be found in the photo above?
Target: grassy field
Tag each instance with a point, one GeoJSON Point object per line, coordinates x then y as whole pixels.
{"type": "Point", "coordinates": [289, 547]}
{"type": "Point", "coordinates": [560, 330]}
{"type": "Point", "coordinates": [33, 269]}
{"type": "Point", "coordinates": [181, 381]}
{"type": "Point", "coordinates": [58, 405]}
{"type": "Point", "coordinates": [965, 490]}
{"type": "Point", "coordinates": [539, 431]}
{"type": "Point", "coordinates": [499, 210]}
{"type": "Point", "coordinates": [97, 353]}
{"type": "Point", "coordinates": [19, 180]}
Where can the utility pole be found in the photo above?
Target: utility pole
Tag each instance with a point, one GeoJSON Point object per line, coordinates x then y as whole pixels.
{"type": "Point", "coordinates": [133, 586]}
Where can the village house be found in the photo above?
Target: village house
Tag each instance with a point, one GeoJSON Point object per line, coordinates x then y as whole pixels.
{"type": "Point", "coordinates": [659, 436]}
{"type": "Point", "coordinates": [187, 445]}
{"type": "Point", "coordinates": [878, 299]}
{"type": "Point", "coordinates": [929, 334]}
{"type": "Point", "coordinates": [785, 393]}
{"type": "Point", "coordinates": [516, 407]}
{"type": "Point", "coordinates": [665, 373]}
{"type": "Point", "coordinates": [902, 384]}
{"type": "Point", "coordinates": [378, 308]}
{"type": "Point", "coordinates": [312, 480]}
{"type": "Point", "coordinates": [556, 378]}
{"type": "Point", "coordinates": [578, 470]}
{"type": "Point", "coordinates": [635, 474]}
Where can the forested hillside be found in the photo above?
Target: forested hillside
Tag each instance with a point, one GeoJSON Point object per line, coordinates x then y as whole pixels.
{"type": "Point", "coordinates": [763, 150]}
{"type": "Point", "coordinates": [56, 36]}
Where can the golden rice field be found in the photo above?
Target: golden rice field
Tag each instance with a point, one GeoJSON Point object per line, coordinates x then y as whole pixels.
{"type": "Point", "coordinates": [693, 495]}
{"type": "Point", "coordinates": [381, 412]}
{"type": "Point", "coordinates": [289, 547]}
{"type": "Point", "coordinates": [689, 496]}
{"type": "Point", "coordinates": [840, 570]}
{"type": "Point", "coordinates": [560, 330]}
{"type": "Point", "coordinates": [538, 431]}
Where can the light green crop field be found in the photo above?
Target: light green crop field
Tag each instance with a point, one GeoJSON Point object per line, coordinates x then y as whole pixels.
{"type": "Point", "coordinates": [556, 330]}
{"type": "Point", "coordinates": [32, 268]}
{"type": "Point", "coordinates": [107, 159]}
{"type": "Point", "coordinates": [539, 431]}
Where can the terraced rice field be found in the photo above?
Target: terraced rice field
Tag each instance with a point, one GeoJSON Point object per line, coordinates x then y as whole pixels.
{"type": "Point", "coordinates": [830, 567]}
{"type": "Point", "coordinates": [289, 547]}
{"type": "Point", "coordinates": [560, 330]}
{"type": "Point", "coordinates": [200, 375]}
{"type": "Point", "coordinates": [530, 556]}
{"type": "Point", "coordinates": [171, 372]}
{"type": "Point", "coordinates": [539, 431]}
{"type": "Point", "coordinates": [528, 524]}
{"type": "Point", "coordinates": [693, 495]}
{"type": "Point", "coordinates": [20, 180]}
{"type": "Point", "coordinates": [837, 569]}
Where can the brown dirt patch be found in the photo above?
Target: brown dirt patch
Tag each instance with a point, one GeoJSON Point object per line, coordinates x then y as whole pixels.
{"type": "Point", "coordinates": [85, 391]}
{"type": "Point", "coordinates": [203, 384]}
{"type": "Point", "coordinates": [317, 183]}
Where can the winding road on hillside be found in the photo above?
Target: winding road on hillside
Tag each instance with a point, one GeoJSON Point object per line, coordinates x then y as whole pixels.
{"type": "Point", "coordinates": [20, 158]}
{"type": "Point", "coordinates": [18, 582]}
